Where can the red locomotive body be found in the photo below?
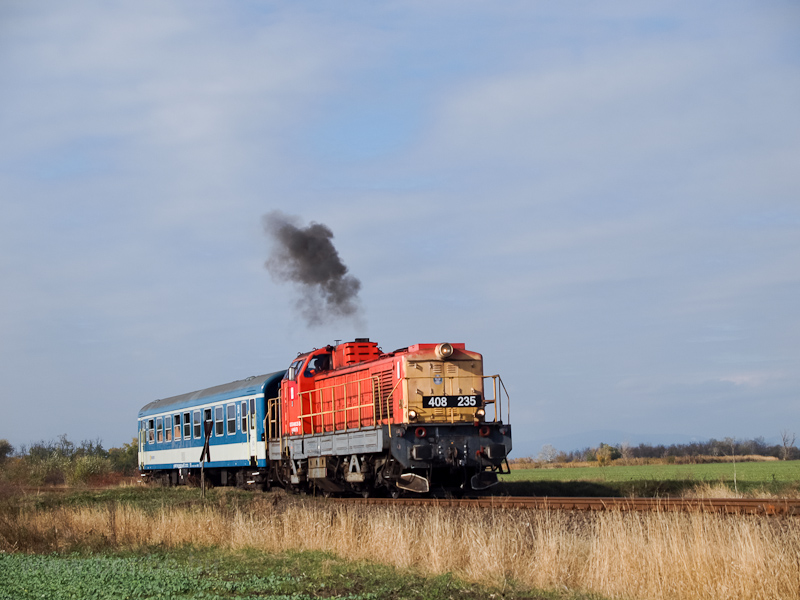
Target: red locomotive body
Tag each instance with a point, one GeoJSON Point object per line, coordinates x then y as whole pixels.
{"type": "Point", "coordinates": [352, 418]}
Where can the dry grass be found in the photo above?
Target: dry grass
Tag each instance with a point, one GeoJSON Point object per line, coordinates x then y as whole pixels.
{"type": "Point", "coordinates": [654, 555]}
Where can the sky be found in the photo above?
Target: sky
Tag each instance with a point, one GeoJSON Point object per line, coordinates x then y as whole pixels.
{"type": "Point", "coordinates": [601, 198]}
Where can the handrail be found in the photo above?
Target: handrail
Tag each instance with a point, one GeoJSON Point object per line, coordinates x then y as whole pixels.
{"type": "Point", "coordinates": [334, 411]}
{"type": "Point", "coordinates": [497, 399]}
{"type": "Point", "coordinates": [273, 429]}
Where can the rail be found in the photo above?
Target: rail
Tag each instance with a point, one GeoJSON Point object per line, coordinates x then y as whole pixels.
{"type": "Point", "coordinates": [751, 506]}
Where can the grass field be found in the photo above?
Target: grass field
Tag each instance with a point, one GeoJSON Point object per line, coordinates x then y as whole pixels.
{"type": "Point", "coordinates": [138, 541]}
{"type": "Point", "coordinates": [219, 574]}
{"type": "Point", "coordinates": [774, 477]}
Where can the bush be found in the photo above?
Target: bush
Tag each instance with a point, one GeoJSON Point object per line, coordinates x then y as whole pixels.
{"type": "Point", "coordinates": [51, 469]}
{"type": "Point", "coordinates": [125, 460]}
{"type": "Point", "coordinates": [87, 468]}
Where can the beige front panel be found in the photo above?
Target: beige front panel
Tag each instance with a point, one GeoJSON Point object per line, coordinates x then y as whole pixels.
{"type": "Point", "coordinates": [442, 378]}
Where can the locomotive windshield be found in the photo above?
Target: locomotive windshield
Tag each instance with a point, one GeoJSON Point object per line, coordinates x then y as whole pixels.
{"type": "Point", "coordinates": [294, 369]}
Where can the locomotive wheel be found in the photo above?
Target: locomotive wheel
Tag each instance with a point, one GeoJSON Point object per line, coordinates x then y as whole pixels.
{"type": "Point", "coordinates": [395, 492]}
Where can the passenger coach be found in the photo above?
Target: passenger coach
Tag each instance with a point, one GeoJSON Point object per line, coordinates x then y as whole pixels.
{"type": "Point", "coordinates": [171, 433]}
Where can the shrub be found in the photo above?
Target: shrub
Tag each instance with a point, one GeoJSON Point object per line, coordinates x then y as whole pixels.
{"type": "Point", "coordinates": [125, 460]}
{"type": "Point", "coordinates": [87, 468]}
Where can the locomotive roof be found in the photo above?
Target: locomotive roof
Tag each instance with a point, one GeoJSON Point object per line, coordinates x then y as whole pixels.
{"type": "Point", "coordinates": [251, 385]}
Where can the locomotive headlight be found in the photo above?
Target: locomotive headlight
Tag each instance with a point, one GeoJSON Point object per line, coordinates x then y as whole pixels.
{"type": "Point", "coordinates": [412, 415]}
{"type": "Point", "coordinates": [480, 414]}
{"type": "Point", "coordinates": [444, 350]}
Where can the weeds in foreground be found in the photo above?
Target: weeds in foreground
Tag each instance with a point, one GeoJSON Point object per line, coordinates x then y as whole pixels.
{"type": "Point", "coordinates": [651, 555]}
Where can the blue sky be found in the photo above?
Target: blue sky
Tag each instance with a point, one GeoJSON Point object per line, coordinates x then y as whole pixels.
{"type": "Point", "coordinates": [602, 198]}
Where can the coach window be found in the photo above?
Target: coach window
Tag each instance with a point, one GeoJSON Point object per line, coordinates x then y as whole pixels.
{"type": "Point", "coordinates": [150, 428]}
{"type": "Point", "coordinates": [219, 417]}
{"type": "Point", "coordinates": [244, 416]}
{"type": "Point", "coordinates": [231, 408]}
{"type": "Point", "coordinates": [187, 426]}
{"type": "Point", "coordinates": [168, 428]}
{"type": "Point", "coordinates": [159, 430]}
{"type": "Point", "coordinates": [176, 420]}
{"type": "Point", "coordinates": [208, 417]}
{"type": "Point", "coordinates": [198, 428]}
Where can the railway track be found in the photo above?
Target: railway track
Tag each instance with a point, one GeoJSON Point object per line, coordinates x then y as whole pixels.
{"type": "Point", "coordinates": [752, 506]}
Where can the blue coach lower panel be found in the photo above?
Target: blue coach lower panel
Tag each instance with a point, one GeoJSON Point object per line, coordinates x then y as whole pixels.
{"type": "Point", "coordinates": [222, 456]}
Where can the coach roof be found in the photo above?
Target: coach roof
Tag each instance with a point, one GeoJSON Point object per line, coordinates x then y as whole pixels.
{"type": "Point", "coordinates": [244, 387]}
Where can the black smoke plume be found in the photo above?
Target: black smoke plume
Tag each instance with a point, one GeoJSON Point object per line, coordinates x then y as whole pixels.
{"type": "Point", "coordinates": [306, 256]}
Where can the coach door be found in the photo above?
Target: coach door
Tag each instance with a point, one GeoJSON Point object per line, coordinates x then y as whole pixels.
{"type": "Point", "coordinates": [142, 433]}
{"type": "Point", "coordinates": [252, 430]}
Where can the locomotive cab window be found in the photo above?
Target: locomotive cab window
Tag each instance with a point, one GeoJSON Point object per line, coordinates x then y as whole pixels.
{"type": "Point", "coordinates": [187, 426]}
{"type": "Point", "coordinates": [231, 408]}
{"type": "Point", "coordinates": [318, 364]}
{"type": "Point", "coordinates": [220, 423]}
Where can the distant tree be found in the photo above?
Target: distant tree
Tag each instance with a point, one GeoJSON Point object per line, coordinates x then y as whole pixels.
{"type": "Point", "coordinates": [548, 453]}
{"type": "Point", "coordinates": [607, 453]}
{"type": "Point", "coordinates": [91, 448]}
{"type": "Point", "coordinates": [625, 450]}
{"type": "Point", "coordinates": [787, 441]}
{"type": "Point", "coordinates": [6, 450]}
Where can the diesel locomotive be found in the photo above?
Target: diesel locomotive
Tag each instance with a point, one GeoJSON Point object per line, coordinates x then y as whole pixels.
{"type": "Point", "coordinates": [346, 418]}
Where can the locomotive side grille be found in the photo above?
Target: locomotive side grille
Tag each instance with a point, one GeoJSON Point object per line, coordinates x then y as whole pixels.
{"type": "Point", "coordinates": [436, 368]}
{"type": "Point", "coordinates": [452, 369]}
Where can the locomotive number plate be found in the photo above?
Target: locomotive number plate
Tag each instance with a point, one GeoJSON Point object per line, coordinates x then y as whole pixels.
{"type": "Point", "coordinates": [451, 401]}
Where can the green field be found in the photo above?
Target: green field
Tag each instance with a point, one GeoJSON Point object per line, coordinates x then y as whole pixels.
{"type": "Point", "coordinates": [217, 574]}
{"type": "Point", "coordinates": [777, 477]}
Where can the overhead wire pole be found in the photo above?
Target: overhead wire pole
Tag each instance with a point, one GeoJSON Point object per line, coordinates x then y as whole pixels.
{"type": "Point", "coordinates": [205, 455]}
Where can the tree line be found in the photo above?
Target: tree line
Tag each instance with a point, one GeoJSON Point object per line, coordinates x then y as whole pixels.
{"type": "Point", "coordinates": [52, 462]}
{"type": "Point", "coordinates": [705, 450]}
